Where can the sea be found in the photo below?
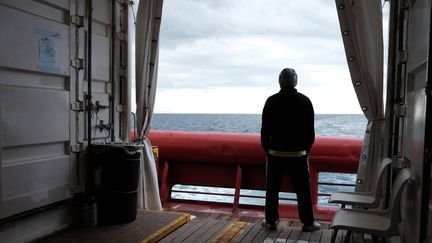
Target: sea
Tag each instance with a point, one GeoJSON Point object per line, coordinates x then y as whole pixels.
{"type": "Point", "coordinates": [326, 125]}
{"type": "Point", "coordinates": [340, 125]}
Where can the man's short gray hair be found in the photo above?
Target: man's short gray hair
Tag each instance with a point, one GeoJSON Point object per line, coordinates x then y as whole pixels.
{"type": "Point", "coordinates": [288, 78]}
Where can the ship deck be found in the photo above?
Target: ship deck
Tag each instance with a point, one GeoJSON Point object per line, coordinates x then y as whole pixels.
{"type": "Point", "coordinates": [191, 226]}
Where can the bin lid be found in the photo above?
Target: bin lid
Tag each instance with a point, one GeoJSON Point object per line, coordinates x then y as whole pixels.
{"type": "Point", "coordinates": [127, 147]}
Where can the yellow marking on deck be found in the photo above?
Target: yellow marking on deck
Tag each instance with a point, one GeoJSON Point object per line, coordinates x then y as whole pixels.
{"type": "Point", "coordinates": [167, 229]}
{"type": "Point", "coordinates": [231, 231]}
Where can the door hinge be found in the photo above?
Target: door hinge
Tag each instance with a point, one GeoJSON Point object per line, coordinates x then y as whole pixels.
{"type": "Point", "coordinates": [77, 20]}
{"type": "Point", "coordinates": [122, 72]}
{"type": "Point", "coordinates": [76, 148]}
{"type": "Point", "coordinates": [77, 63]}
{"type": "Point", "coordinates": [120, 108]}
{"type": "Point", "coordinates": [77, 106]}
{"type": "Point", "coordinates": [400, 110]}
{"type": "Point", "coordinates": [121, 36]}
{"type": "Point", "coordinates": [403, 56]}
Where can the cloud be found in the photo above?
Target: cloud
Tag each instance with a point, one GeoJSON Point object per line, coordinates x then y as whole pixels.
{"type": "Point", "coordinates": [241, 43]}
{"type": "Point", "coordinates": [215, 100]}
{"type": "Point", "coordinates": [211, 48]}
{"type": "Point", "coordinates": [188, 20]}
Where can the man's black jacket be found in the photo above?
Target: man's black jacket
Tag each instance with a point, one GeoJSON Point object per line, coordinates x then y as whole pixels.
{"type": "Point", "coordinates": [287, 122]}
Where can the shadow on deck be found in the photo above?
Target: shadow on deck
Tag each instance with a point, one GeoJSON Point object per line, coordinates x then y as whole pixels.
{"type": "Point", "coordinates": [198, 227]}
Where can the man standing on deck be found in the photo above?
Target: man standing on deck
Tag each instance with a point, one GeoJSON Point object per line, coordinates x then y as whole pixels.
{"type": "Point", "coordinates": [287, 134]}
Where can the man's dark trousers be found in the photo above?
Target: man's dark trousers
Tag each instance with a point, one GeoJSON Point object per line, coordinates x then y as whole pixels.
{"type": "Point", "coordinates": [298, 170]}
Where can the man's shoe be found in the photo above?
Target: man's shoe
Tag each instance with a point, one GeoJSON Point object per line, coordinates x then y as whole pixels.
{"type": "Point", "coordinates": [313, 227]}
{"type": "Point", "coordinates": [269, 226]}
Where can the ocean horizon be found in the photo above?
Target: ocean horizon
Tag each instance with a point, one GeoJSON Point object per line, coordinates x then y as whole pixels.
{"type": "Point", "coordinates": [333, 125]}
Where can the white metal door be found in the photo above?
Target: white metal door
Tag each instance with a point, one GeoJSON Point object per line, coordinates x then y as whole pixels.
{"type": "Point", "coordinates": [34, 105]}
{"type": "Point", "coordinates": [43, 49]}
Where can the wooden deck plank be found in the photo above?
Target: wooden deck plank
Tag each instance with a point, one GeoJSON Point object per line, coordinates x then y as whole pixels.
{"type": "Point", "coordinates": [211, 225]}
{"type": "Point", "coordinates": [148, 226]}
{"type": "Point", "coordinates": [226, 216]}
{"type": "Point", "coordinates": [220, 225]}
{"type": "Point", "coordinates": [206, 225]}
{"type": "Point", "coordinates": [286, 231]}
{"type": "Point", "coordinates": [193, 229]}
{"type": "Point", "coordinates": [250, 219]}
{"type": "Point", "coordinates": [274, 235]}
{"type": "Point", "coordinates": [340, 236]}
{"type": "Point", "coordinates": [251, 233]}
{"type": "Point", "coordinates": [305, 236]}
{"type": "Point", "coordinates": [248, 228]}
{"type": "Point", "coordinates": [357, 237]}
{"type": "Point", "coordinates": [183, 231]}
{"type": "Point", "coordinates": [368, 238]}
{"type": "Point", "coordinates": [324, 225]}
{"type": "Point", "coordinates": [295, 235]}
{"type": "Point", "coordinates": [296, 224]}
{"type": "Point", "coordinates": [167, 229]}
{"type": "Point", "coordinates": [230, 231]}
{"type": "Point", "coordinates": [178, 232]}
{"type": "Point", "coordinates": [262, 234]}
{"type": "Point", "coordinates": [326, 235]}
{"type": "Point", "coordinates": [315, 236]}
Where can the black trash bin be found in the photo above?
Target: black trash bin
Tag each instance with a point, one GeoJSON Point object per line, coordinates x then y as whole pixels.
{"type": "Point", "coordinates": [117, 177]}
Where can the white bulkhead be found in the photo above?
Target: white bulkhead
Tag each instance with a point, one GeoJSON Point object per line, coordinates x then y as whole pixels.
{"type": "Point", "coordinates": [43, 108]}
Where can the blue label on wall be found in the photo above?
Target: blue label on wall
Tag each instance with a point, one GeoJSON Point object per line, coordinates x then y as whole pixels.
{"type": "Point", "coordinates": [47, 50]}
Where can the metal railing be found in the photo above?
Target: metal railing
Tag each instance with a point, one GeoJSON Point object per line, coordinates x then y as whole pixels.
{"type": "Point", "coordinates": [257, 197]}
{"type": "Point", "coordinates": [236, 162]}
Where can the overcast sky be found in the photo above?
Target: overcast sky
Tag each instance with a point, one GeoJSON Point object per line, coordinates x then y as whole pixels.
{"type": "Point", "coordinates": [224, 56]}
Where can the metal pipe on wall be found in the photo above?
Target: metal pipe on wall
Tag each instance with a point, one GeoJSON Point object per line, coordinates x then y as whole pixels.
{"type": "Point", "coordinates": [112, 71]}
{"type": "Point", "coordinates": [90, 166]}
